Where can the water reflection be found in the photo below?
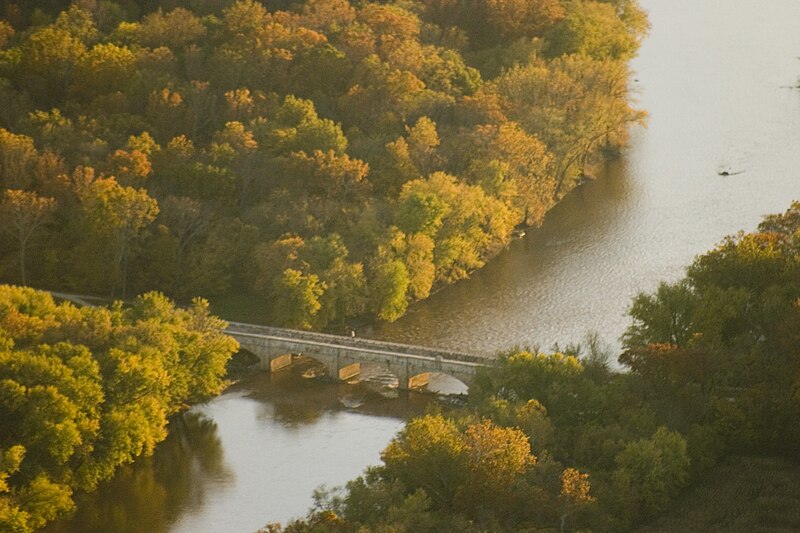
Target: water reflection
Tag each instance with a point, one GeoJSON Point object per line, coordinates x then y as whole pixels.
{"type": "Point", "coordinates": [251, 456]}
{"type": "Point", "coordinates": [148, 495]}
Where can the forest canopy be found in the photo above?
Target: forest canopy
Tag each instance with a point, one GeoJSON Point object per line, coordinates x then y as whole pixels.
{"type": "Point", "coordinates": [333, 158]}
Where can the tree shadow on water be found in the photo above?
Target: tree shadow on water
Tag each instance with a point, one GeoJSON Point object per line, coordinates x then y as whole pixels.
{"type": "Point", "coordinates": [153, 493]}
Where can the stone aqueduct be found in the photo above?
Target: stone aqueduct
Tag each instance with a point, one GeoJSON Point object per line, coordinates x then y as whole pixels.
{"type": "Point", "coordinates": [343, 356]}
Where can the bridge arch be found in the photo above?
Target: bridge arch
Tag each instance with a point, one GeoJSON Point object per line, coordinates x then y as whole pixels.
{"type": "Point", "coordinates": [440, 383]}
{"type": "Point", "coordinates": [343, 356]}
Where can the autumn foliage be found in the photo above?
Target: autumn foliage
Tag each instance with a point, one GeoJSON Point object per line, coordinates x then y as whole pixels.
{"type": "Point", "coordinates": [151, 145]}
{"type": "Point", "coordinates": [84, 390]}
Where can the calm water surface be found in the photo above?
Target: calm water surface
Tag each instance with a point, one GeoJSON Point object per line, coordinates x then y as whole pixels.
{"type": "Point", "coordinates": [713, 76]}
{"type": "Point", "coordinates": [251, 456]}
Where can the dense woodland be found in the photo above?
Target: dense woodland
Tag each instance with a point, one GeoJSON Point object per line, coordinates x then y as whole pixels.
{"type": "Point", "coordinates": [558, 442]}
{"type": "Point", "coordinates": [84, 390]}
{"type": "Point", "coordinates": [341, 160]}
{"type": "Point", "coordinates": [335, 159]}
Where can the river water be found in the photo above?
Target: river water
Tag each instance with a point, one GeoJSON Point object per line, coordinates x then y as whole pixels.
{"type": "Point", "coordinates": [715, 77]}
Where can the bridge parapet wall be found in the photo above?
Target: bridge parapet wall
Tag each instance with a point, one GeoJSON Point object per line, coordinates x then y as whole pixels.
{"type": "Point", "coordinates": [359, 342]}
{"type": "Point", "coordinates": [340, 355]}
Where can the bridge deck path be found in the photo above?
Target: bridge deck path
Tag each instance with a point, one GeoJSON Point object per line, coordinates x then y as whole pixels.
{"type": "Point", "coordinates": [359, 343]}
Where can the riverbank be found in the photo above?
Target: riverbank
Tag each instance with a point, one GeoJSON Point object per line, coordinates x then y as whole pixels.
{"type": "Point", "coordinates": [254, 309]}
{"type": "Point", "coordinates": [657, 208]}
{"type": "Point", "coordinates": [250, 456]}
{"type": "Point", "coordinates": [651, 212]}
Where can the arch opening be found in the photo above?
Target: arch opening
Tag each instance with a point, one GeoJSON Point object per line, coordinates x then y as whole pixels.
{"type": "Point", "coordinates": [310, 367]}
{"type": "Point", "coordinates": [377, 379]}
{"type": "Point", "coordinates": [438, 383]}
{"type": "Point", "coordinates": [242, 362]}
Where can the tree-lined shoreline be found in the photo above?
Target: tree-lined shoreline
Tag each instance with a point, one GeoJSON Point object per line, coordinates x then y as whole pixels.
{"type": "Point", "coordinates": [84, 390]}
{"type": "Point", "coordinates": [560, 442]}
{"type": "Point", "coordinates": [336, 160]}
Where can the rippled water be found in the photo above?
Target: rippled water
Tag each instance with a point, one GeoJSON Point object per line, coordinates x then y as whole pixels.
{"type": "Point", "coordinates": [713, 75]}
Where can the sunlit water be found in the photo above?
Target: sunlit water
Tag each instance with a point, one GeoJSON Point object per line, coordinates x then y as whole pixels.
{"type": "Point", "coordinates": [714, 77]}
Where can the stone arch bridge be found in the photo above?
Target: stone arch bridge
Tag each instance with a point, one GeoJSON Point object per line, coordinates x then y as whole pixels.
{"type": "Point", "coordinates": [343, 356]}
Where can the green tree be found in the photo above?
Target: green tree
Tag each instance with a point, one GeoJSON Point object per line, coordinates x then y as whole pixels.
{"type": "Point", "coordinates": [313, 118]}
{"type": "Point", "coordinates": [199, 348]}
{"type": "Point", "coordinates": [420, 213]}
{"type": "Point", "coordinates": [79, 22]}
{"type": "Point", "coordinates": [650, 472]}
{"type": "Point", "coordinates": [104, 69]}
{"type": "Point", "coordinates": [504, 21]}
{"type": "Point", "coordinates": [295, 299]}
{"type": "Point", "coordinates": [49, 59]}
{"type": "Point", "coordinates": [528, 375]}
{"type": "Point", "coordinates": [116, 217]}
{"type": "Point", "coordinates": [594, 29]}
{"type": "Point", "coordinates": [188, 222]}
{"type": "Point", "coordinates": [23, 214]}
{"type": "Point", "coordinates": [43, 500]}
{"type": "Point", "coordinates": [472, 223]}
{"type": "Point", "coordinates": [174, 29]}
{"type": "Point", "coordinates": [663, 317]}
{"type": "Point", "coordinates": [244, 17]}
{"type": "Point", "coordinates": [71, 413]}
{"type": "Point", "coordinates": [50, 412]}
{"type": "Point", "coordinates": [345, 283]}
{"type": "Point", "coordinates": [298, 128]}
{"type": "Point", "coordinates": [345, 293]}
{"type": "Point", "coordinates": [389, 285]}
{"type": "Point", "coordinates": [12, 518]}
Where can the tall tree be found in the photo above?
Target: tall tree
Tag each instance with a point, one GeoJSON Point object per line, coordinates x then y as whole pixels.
{"type": "Point", "coordinates": [595, 29]}
{"type": "Point", "coordinates": [117, 216]}
{"type": "Point", "coordinates": [17, 157]}
{"type": "Point", "coordinates": [650, 472]}
{"type": "Point", "coordinates": [188, 222]}
{"type": "Point", "coordinates": [23, 213]}
{"type": "Point", "coordinates": [295, 298]}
